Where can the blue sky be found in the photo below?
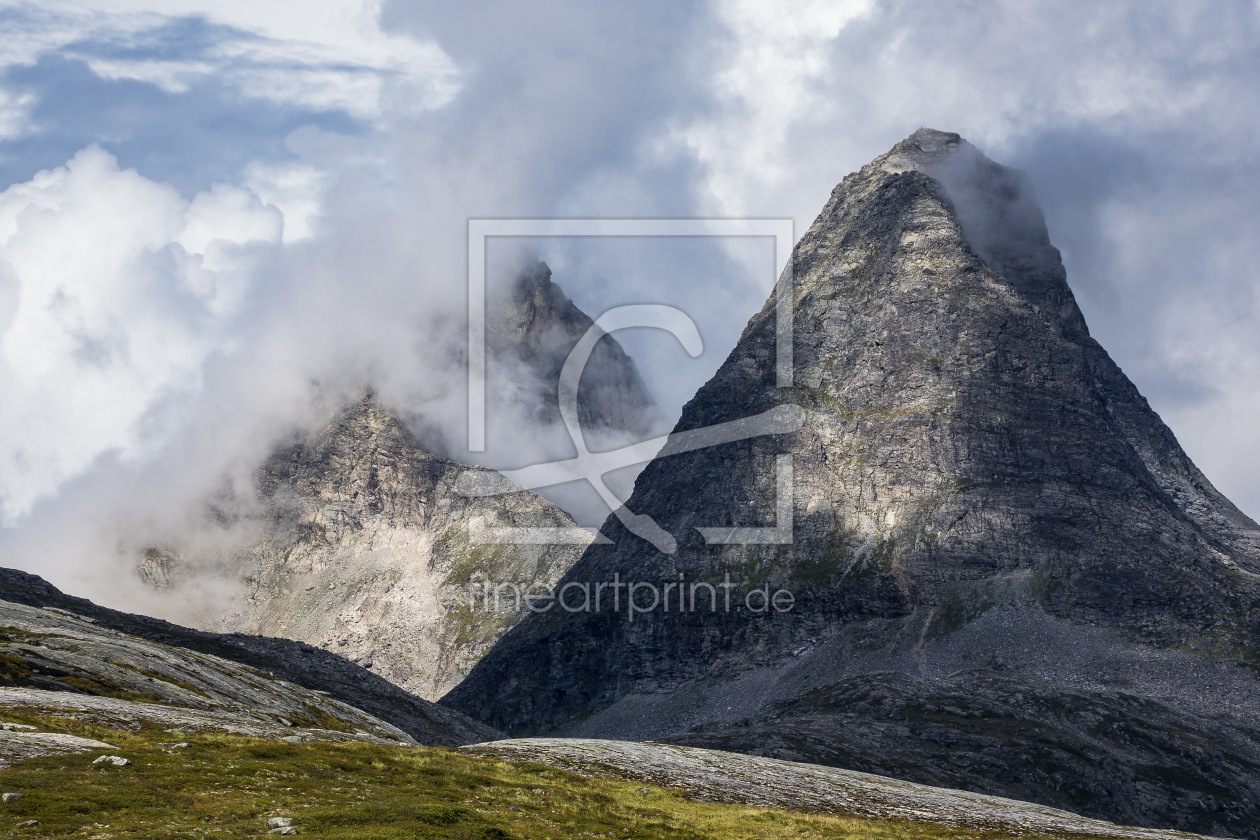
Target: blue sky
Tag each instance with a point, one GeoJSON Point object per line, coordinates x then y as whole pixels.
{"type": "Point", "coordinates": [205, 208]}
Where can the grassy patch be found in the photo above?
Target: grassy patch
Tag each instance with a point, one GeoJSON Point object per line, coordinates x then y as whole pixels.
{"type": "Point", "coordinates": [824, 568]}
{"type": "Point", "coordinates": [222, 786]}
{"type": "Point", "coordinates": [320, 719]}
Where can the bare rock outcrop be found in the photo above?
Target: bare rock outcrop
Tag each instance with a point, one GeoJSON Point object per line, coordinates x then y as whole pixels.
{"type": "Point", "coordinates": [539, 325]}
{"type": "Point", "coordinates": [713, 776]}
{"type": "Point", "coordinates": [69, 656]}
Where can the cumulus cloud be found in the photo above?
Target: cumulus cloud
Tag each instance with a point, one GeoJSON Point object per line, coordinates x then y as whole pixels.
{"type": "Point", "coordinates": [295, 189]}
{"type": "Point", "coordinates": [115, 291]}
{"type": "Point", "coordinates": [766, 79]}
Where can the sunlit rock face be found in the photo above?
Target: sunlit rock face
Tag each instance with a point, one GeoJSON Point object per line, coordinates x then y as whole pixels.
{"type": "Point", "coordinates": [369, 550]}
{"type": "Point", "coordinates": [1008, 577]}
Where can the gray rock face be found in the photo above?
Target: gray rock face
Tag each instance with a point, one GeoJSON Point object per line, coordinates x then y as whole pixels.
{"type": "Point", "coordinates": [281, 825]}
{"type": "Point", "coordinates": [59, 663]}
{"type": "Point", "coordinates": [369, 551]}
{"type": "Point", "coordinates": [63, 653]}
{"type": "Point", "coordinates": [539, 325]}
{"type": "Point", "coordinates": [1008, 576]}
{"type": "Point", "coordinates": [18, 746]}
{"type": "Point", "coordinates": [256, 721]}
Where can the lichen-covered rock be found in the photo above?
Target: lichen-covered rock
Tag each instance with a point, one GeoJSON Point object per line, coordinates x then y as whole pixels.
{"type": "Point", "coordinates": [1008, 576]}
{"type": "Point", "coordinates": [18, 746]}
{"type": "Point", "coordinates": [112, 761]}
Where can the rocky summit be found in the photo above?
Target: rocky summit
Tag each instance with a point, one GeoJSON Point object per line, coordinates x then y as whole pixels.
{"type": "Point", "coordinates": [538, 326]}
{"type": "Point", "coordinates": [992, 566]}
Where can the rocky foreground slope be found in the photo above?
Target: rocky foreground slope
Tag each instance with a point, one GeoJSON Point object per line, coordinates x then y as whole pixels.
{"type": "Point", "coordinates": [1007, 575]}
{"type": "Point", "coordinates": [712, 776]}
{"type": "Point", "coordinates": [67, 654]}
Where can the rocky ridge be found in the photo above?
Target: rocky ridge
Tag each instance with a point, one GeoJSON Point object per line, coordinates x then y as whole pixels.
{"type": "Point", "coordinates": [366, 547]}
{"type": "Point", "coordinates": [1008, 576]}
{"type": "Point", "coordinates": [66, 654]}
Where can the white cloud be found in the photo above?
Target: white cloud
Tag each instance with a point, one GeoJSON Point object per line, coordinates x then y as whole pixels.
{"type": "Point", "coordinates": [330, 54]}
{"type": "Point", "coordinates": [227, 216]}
{"type": "Point", "coordinates": [296, 189]}
{"type": "Point", "coordinates": [773, 57]}
{"type": "Point", "coordinates": [170, 76]}
{"type": "Point", "coordinates": [15, 116]}
{"type": "Point", "coordinates": [114, 291]}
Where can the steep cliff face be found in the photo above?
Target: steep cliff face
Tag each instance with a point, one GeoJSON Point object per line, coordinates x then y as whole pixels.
{"type": "Point", "coordinates": [369, 551]}
{"type": "Point", "coordinates": [1007, 575]}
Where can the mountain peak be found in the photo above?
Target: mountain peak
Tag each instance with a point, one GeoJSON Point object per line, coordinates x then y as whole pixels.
{"type": "Point", "coordinates": [539, 325]}
{"type": "Point", "coordinates": [922, 150]}
{"type": "Point", "coordinates": [988, 522]}
{"type": "Point", "coordinates": [994, 206]}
